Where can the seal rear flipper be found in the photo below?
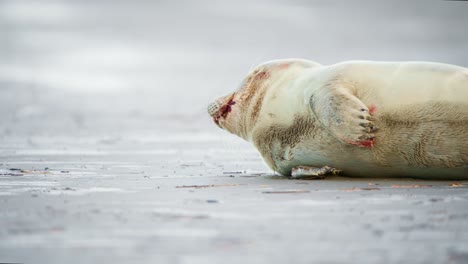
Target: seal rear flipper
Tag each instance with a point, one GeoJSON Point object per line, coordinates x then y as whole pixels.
{"type": "Point", "coordinates": [343, 115]}
{"type": "Point", "coordinates": [307, 172]}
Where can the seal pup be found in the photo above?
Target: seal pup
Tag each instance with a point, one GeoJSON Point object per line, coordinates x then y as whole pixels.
{"type": "Point", "coordinates": [360, 118]}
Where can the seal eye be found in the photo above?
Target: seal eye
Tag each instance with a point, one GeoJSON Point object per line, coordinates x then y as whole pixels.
{"type": "Point", "coordinates": [227, 108]}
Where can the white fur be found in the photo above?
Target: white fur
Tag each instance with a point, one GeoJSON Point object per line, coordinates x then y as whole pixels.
{"type": "Point", "coordinates": [390, 87]}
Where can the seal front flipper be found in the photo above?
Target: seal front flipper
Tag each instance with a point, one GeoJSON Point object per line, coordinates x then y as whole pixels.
{"type": "Point", "coordinates": [343, 115]}
{"type": "Point", "coordinates": [306, 172]}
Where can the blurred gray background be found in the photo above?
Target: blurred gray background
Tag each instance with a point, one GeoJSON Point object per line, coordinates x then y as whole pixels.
{"type": "Point", "coordinates": [107, 154]}
{"type": "Point", "coordinates": [101, 66]}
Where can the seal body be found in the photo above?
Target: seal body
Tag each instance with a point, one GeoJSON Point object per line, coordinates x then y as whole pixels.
{"type": "Point", "coordinates": [367, 119]}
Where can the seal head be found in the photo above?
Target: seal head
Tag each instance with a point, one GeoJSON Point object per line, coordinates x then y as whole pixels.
{"type": "Point", "coordinates": [238, 112]}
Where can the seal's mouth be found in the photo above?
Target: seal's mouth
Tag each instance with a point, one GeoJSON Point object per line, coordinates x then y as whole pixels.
{"type": "Point", "coordinates": [217, 110]}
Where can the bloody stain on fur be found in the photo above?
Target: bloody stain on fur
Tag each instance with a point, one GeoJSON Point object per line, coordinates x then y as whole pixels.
{"type": "Point", "coordinates": [284, 66]}
{"type": "Point", "coordinates": [262, 75]}
{"type": "Point", "coordinates": [372, 108]}
{"type": "Point", "coordinates": [364, 143]}
{"type": "Point", "coordinates": [224, 111]}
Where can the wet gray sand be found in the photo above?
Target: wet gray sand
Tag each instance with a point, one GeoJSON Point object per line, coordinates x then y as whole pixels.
{"type": "Point", "coordinates": [198, 199]}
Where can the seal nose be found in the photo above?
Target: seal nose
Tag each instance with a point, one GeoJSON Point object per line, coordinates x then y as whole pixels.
{"type": "Point", "coordinates": [213, 108]}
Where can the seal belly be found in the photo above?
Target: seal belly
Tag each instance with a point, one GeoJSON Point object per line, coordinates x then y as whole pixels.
{"type": "Point", "coordinates": [424, 135]}
{"type": "Point", "coordinates": [419, 141]}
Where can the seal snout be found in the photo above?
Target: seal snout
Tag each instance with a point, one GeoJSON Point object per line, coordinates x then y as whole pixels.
{"type": "Point", "coordinates": [213, 108]}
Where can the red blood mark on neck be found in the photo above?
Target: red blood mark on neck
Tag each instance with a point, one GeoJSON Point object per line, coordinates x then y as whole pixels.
{"type": "Point", "coordinates": [283, 66]}
{"type": "Point", "coordinates": [262, 75]}
{"type": "Point", "coordinates": [372, 108]}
